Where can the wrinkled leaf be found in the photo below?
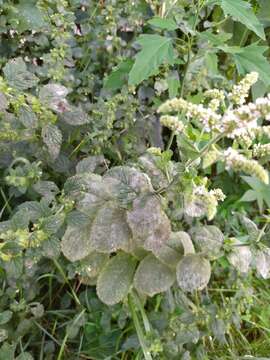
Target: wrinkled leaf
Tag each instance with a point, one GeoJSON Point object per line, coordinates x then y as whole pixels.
{"type": "Point", "coordinates": [53, 96]}
{"type": "Point", "coordinates": [52, 137]}
{"type": "Point", "coordinates": [18, 76]}
{"type": "Point", "coordinates": [115, 280]}
{"type": "Point", "coordinates": [262, 261]}
{"type": "Point", "coordinates": [153, 277]}
{"type": "Point", "coordinates": [241, 258]}
{"type": "Point", "coordinates": [89, 164]}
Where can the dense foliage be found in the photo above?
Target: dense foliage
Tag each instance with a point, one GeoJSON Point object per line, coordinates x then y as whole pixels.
{"type": "Point", "coordinates": [134, 164]}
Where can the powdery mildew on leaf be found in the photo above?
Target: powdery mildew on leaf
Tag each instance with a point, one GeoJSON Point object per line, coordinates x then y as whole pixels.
{"type": "Point", "coordinates": [76, 243]}
{"type": "Point", "coordinates": [110, 231]}
{"type": "Point", "coordinates": [193, 272]}
{"type": "Point", "coordinates": [241, 258]}
{"type": "Point", "coordinates": [149, 224]}
{"type": "Point", "coordinates": [209, 239]}
{"type": "Point", "coordinates": [262, 261]}
{"type": "Point", "coordinates": [115, 280]}
{"type": "Point", "coordinates": [52, 137]}
{"type": "Point", "coordinates": [93, 264]}
{"type": "Point", "coordinates": [153, 277]}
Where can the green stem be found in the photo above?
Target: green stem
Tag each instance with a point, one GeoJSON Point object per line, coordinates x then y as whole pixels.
{"type": "Point", "coordinates": [145, 320]}
{"type": "Point", "coordinates": [140, 334]}
{"type": "Point", "coordinates": [170, 141]}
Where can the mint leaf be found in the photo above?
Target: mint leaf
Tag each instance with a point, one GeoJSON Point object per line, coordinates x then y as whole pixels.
{"type": "Point", "coordinates": [156, 50]}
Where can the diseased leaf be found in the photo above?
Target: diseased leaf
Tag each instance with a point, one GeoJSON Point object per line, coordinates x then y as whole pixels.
{"type": "Point", "coordinates": [110, 231]}
{"type": "Point", "coordinates": [115, 280]}
{"type": "Point", "coordinates": [89, 164]}
{"type": "Point", "coordinates": [118, 76]}
{"type": "Point", "coordinates": [48, 189]}
{"type": "Point", "coordinates": [241, 258]}
{"type": "Point", "coordinates": [53, 96]}
{"type": "Point", "coordinates": [28, 118]}
{"type": "Point", "coordinates": [242, 11]}
{"type": "Point", "coordinates": [92, 264]}
{"type": "Point", "coordinates": [193, 273]}
{"type": "Point", "coordinates": [3, 102]}
{"type": "Point", "coordinates": [76, 243]}
{"type": "Point", "coordinates": [156, 50]}
{"type": "Point", "coordinates": [153, 277]}
{"type": "Point", "coordinates": [251, 228]}
{"type": "Point", "coordinates": [149, 224]}
{"type": "Point", "coordinates": [262, 262]}
{"type": "Point", "coordinates": [74, 116]}
{"type": "Point", "coordinates": [209, 239]}
{"type": "Point", "coordinates": [52, 137]}
{"type": "Point", "coordinates": [18, 76]}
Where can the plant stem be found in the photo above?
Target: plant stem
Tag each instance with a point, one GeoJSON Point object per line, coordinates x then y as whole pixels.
{"type": "Point", "coordinates": [140, 334]}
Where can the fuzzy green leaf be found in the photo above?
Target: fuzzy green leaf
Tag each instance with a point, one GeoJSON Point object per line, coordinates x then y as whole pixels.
{"type": "Point", "coordinates": [118, 77]}
{"type": "Point", "coordinates": [163, 23]}
{"type": "Point", "coordinates": [115, 280]}
{"type": "Point", "coordinates": [153, 277]}
{"type": "Point", "coordinates": [156, 50]}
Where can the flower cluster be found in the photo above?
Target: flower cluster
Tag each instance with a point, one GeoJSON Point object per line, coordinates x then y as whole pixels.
{"type": "Point", "coordinates": [172, 122]}
{"type": "Point", "coordinates": [260, 150]}
{"type": "Point", "coordinates": [238, 162]}
{"type": "Point", "coordinates": [216, 96]}
{"type": "Point", "coordinates": [240, 91]}
{"type": "Point", "coordinates": [203, 202]}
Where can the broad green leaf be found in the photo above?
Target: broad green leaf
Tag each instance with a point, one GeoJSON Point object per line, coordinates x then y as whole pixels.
{"type": "Point", "coordinates": [156, 50]}
{"type": "Point", "coordinates": [28, 118]}
{"type": "Point", "coordinates": [149, 224]}
{"type": "Point", "coordinates": [251, 58]}
{"type": "Point", "coordinates": [110, 231]}
{"type": "Point", "coordinates": [115, 280]}
{"type": "Point", "coordinates": [118, 77]}
{"type": "Point", "coordinates": [249, 195]}
{"type": "Point", "coordinates": [260, 189]}
{"type": "Point", "coordinates": [215, 39]}
{"type": "Point", "coordinates": [153, 277]}
{"type": "Point", "coordinates": [242, 11]}
{"type": "Point", "coordinates": [163, 23]}
{"type": "Point", "coordinates": [264, 12]}
{"type": "Point", "coordinates": [52, 137]}
{"type": "Point", "coordinates": [5, 316]}
{"type": "Point", "coordinates": [193, 272]}
{"type": "Point", "coordinates": [92, 264]}
{"type": "Point", "coordinates": [89, 164]}
{"type": "Point", "coordinates": [209, 239]}
{"type": "Point", "coordinates": [18, 76]}
{"type": "Point", "coordinates": [76, 243]}
{"type": "Point", "coordinates": [29, 15]}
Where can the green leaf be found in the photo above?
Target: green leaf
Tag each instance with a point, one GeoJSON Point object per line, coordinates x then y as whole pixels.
{"type": "Point", "coordinates": [5, 316]}
{"type": "Point", "coordinates": [52, 137]}
{"type": "Point", "coordinates": [242, 11]}
{"type": "Point", "coordinates": [264, 12]}
{"type": "Point", "coordinates": [251, 58]}
{"type": "Point", "coordinates": [153, 277]}
{"type": "Point", "coordinates": [92, 264]}
{"type": "Point", "coordinates": [249, 195]}
{"type": "Point", "coordinates": [118, 77]}
{"type": "Point", "coordinates": [260, 189]}
{"type": "Point", "coordinates": [110, 231]}
{"type": "Point", "coordinates": [163, 23]}
{"type": "Point", "coordinates": [115, 280]}
{"type": "Point", "coordinates": [193, 272]}
{"type": "Point", "coordinates": [18, 76]}
{"type": "Point", "coordinates": [156, 50]}
{"type": "Point", "coordinates": [29, 15]}
{"type": "Point", "coordinates": [173, 84]}
{"type": "Point", "coordinates": [215, 39]}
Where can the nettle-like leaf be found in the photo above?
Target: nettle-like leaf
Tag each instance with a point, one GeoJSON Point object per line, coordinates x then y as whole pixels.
{"type": "Point", "coordinates": [52, 137]}
{"type": "Point", "coordinates": [153, 277]}
{"type": "Point", "coordinates": [119, 75]}
{"type": "Point", "coordinates": [18, 76]}
{"type": "Point", "coordinates": [149, 224]}
{"type": "Point", "coordinates": [110, 231]}
{"type": "Point", "coordinates": [92, 264]}
{"type": "Point", "coordinates": [75, 116]}
{"type": "Point", "coordinates": [193, 272]}
{"type": "Point", "coordinates": [156, 50]}
{"type": "Point", "coordinates": [116, 278]}
{"type": "Point", "coordinates": [76, 243]}
{"type": "Point", "coordinates": [158, 178]}
{"type": "Point", "coordinates": [209, 239]}
{"type": "Point", "coordinates": [28, 118]}
{"type": "Point", "coordinates": [242, 11]}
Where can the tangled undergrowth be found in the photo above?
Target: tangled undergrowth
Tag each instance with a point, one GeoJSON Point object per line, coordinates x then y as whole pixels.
{"type": "Point", "coordinates": [134, 195]}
